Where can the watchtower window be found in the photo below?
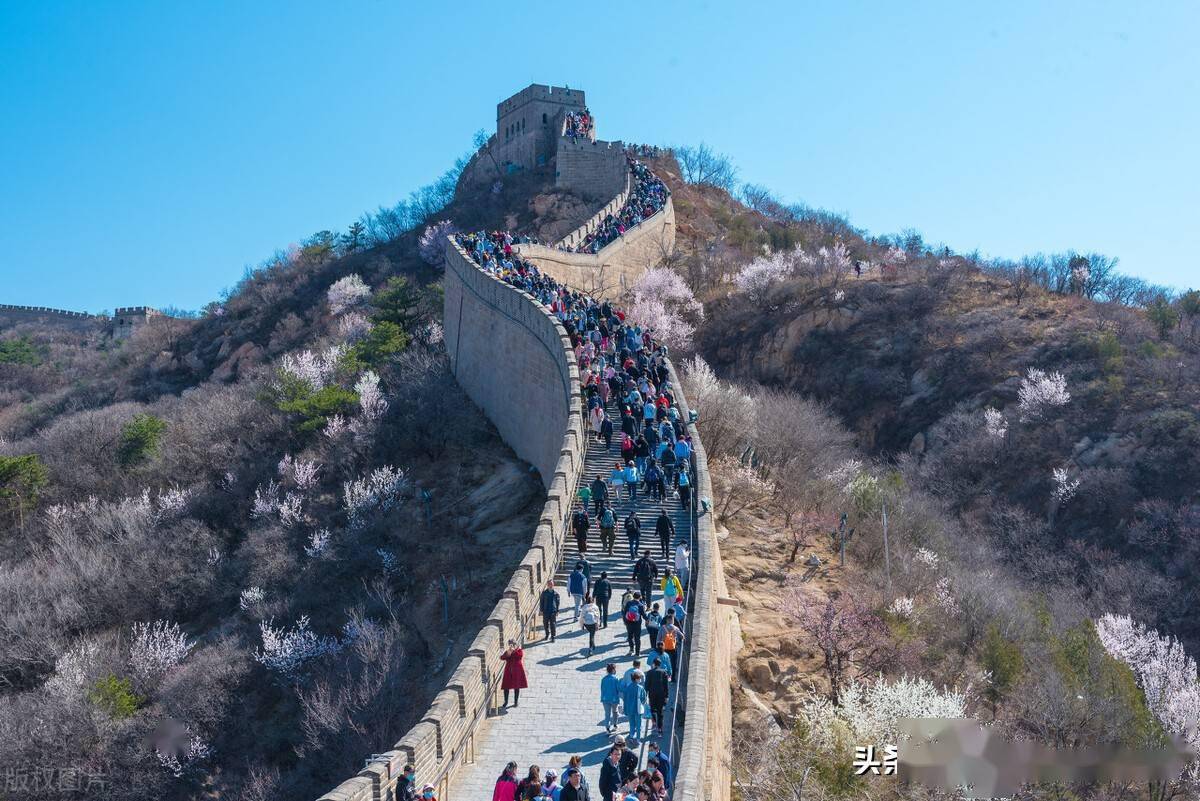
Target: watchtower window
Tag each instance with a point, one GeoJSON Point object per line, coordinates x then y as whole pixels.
{"type": "Point", "coordinates": [544, 120]}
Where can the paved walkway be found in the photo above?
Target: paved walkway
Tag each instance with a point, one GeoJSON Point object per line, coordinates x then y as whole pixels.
{"type": "Point", "coordinates": [560, 713]}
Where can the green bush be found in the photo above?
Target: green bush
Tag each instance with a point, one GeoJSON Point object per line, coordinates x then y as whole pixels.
{"type": "Point", "coordinates": [1004, 662]}
{"type": "Point", "coordinates": [385, 340]}
{"type": "Point", "coordinates": [21, 481]}
{"type": "Point", "coordinates": [116, 697]}
{"type": "Point", "coordinates": [140, 439]}
{"type": "Point", "coordinates": [1109, 353]}
{"type": "Point", "coordinates": [312, 408]}
{"type": "Point", "coordinates": [19, 351]}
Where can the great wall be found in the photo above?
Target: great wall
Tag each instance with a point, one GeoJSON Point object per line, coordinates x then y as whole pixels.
{"type": "Point", "coordinates": [456, 742]}
{"type": "Point", "coordinates": [123, 322]}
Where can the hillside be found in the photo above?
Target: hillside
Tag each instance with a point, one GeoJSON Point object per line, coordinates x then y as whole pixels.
{"type": "Point", "coordinates": [293, 474]}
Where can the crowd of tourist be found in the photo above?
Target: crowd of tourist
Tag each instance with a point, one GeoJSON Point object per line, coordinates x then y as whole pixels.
{"type": "Point", "coordinates": [578, 123]}
{"type": "Point", "coordinates": [643, 151]}
{"type": "Point", "coordinates": [630, 402]}
{"type": "Point", "coordinates": [647, 196]}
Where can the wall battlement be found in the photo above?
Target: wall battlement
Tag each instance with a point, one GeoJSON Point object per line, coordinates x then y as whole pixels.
{"type": "Point", "coordinates": [45, 310]}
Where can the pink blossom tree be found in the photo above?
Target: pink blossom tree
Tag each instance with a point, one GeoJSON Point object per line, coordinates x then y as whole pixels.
{"type": "Point", "coordinates": [844, 630]}
{"type": "Point", "coordinates": [663, 303]}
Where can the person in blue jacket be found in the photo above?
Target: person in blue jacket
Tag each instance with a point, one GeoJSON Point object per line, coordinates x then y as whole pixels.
{"type": "Point", "coordinates": [610, 697]}
{"type": "Point", "coordinates": [637, 704]}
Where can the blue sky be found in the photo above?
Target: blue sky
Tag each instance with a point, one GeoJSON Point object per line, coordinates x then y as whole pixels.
{"type": "Point", "coordinates": [149, 152]}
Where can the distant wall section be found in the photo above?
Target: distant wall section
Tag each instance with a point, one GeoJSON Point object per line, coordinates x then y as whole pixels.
{"type": "Point", "coordinates": [611, 272]}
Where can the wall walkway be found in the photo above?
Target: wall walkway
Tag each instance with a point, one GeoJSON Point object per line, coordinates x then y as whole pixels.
{"type": "Point", "coordinates": [502, 342]}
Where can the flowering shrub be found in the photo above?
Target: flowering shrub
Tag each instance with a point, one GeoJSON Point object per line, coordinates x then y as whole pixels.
{"type": "Point", "coordinates": [318, 543]}
{"type": "Point", "coordinates": [156, 648]}
{"type": "Point", "coordinates": [346, 293]}
{"type": "Point", "coordinates": [379, 491]}
{"type": "Point", "coordinates": [903, 607]}
{"type": "Point", "coordinates": [994, 423]}
{"type": "Point", "coordinates": [179, 762]}
{"type": "Point", "coordinates": [251, 597]}
{"type": "Point", "coordinates": [926, 557]}
{"type": "Point", "coordinates": [1039, 392]}
{"type": "Point", "coordinates": [1064, 486]}
{"type": "Point", "coordinates": [663, 303]}
{"type": "Point", "coordinates": [757, 277]}
{"type": "Point", "coordinates": [266, 501]}
{"type": "Point", "coordinates": [285, 651]}
{"type": "Point", "coordinates": [1165, 672]}
{"type": "Point", "coordinates": [432, 244]}
{"type": "Point", "coordinates": [314, 370]}
{"type": "Point", "coordinates": [335, 427]}
{"type": "Point", "coordinates": [73, 670]}
{"type": "Point", "coordinates": [302, 473]}
{"type": "Point", "coordinates": [353, 326]}
{"type": "Point", "coordinates": [871, 711]}
{"type": "Point", "coordinates": [373, 404]}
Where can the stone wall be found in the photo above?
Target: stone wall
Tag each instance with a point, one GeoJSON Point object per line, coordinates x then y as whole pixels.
{"type": "Point", "coordinates": [579, 234]}
{"type": "Point", "coordinates": [591, 169]}
{"type": "Point", "coordinates": [612, 271]}
{"type": "Point", "coordinates": [702, 769]}
{"type": "Point", "coordinates": [491, 326]}
{"type": "Point", "coordinates": [77, 321]}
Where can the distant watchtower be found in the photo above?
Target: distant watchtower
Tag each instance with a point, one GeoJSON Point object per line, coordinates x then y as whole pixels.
{"type": "Point", "coordinates": [529, 123]}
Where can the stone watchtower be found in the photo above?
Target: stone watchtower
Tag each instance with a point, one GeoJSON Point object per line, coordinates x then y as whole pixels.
{"type": "Point", "coordinates": [529, 123]}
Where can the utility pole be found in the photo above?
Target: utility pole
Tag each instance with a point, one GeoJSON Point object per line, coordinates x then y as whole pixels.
{"type": "Point", "coordinates": [887, 554]}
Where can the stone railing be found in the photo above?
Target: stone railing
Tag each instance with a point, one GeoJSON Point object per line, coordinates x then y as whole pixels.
{"type": "Point", "coordinates": [702, 770]}
{"type": "Point", "coordinates": [8, 307]}
{"type": "Point", "coordinates": [485, 317]}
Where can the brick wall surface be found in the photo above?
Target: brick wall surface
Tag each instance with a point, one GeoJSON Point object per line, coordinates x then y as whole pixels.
{"type": "Point", "coordinates": [593, 169]}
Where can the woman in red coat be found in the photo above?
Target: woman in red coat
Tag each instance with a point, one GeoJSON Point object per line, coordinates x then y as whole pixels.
{"type": "Point", "coordinates": [514, 673]}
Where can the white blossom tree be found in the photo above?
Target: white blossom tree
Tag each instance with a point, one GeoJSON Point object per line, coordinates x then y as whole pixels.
{"type": "Point", "coordinates": [315, 369]}
{"type": "Point", "coordinates": [379, 491]}
{"type": "Point", "coordinates": [251, 598]}
{"type": "Point", "coordinates": [994, 423]}
{"type": "Point", "coordinates": [347, 293]}
{"type": "Point", "coordinates": [1164, 670]}
{"type": "Point", "coordinates": [871, 711]}
{"type": "Point", "coordinates": [432, 244]}
{"type": "Point", "coordinates": [726, 415]}
{"type": "Point", "coordinates": [1040, 392]}
{"type": "Point", "coordinates": [157, 647]}
{"type": "Point", "coordinates": [353, 326]}
{"type": "Point", "coordinates": [1064, 486]}
{"type": "Point", "coordinates": [285, 651]}
{"type": "Point", "coordinates": [757, 277]}
{"type": "Point", "coordinates": [318, 543]}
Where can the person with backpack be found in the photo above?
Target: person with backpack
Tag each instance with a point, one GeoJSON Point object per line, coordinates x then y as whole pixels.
{"type": "Point", "coordinates": [586, 566]}
{"type": "Point", "coordinates": [551, 790]}
{"type": "Point", "coordinates": [658, 688]}
{"type": "Point", "coordinates": [580, 524]}
{"type": "Point", "coordinates": [633, 613]}
{"type": "Point", "coordinates": [653, 621]}
{"type": "Point", "coordinates": [659, 656]}
{"type": "Point", "coordinates": [633, 533]}
{"type": "Point", "coordinates": [602, 592]}
{"type": "Point", "coordinates": [656, 484]}
{"type": "Point", "coordinates": [610, 697]}
{"type": "Point", "coordinates": [590, 619]}
{"type": "Point", "coordinates": [664, 527]}
{"type": "Point", "coordinates": [668, 460]}
{"type": "Point", "coordinates": [671, 638]}
{"type": "Point", "coordinates": [645, 573]}
{"type": "Point", "coordinates": [685, 485]}
{"type": "Point", "coordinates": [672, 590]}
{"type": "Point", "coordinates": [608, 529]}
{"type": "Point", "coordinates": [577, 588]}
{"type": "Point", "coordinates": [599, 493]}
{"type": "Point", "coordinates": [548, 602]}
{"type": "Point", "coordinates": [585, 495]}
